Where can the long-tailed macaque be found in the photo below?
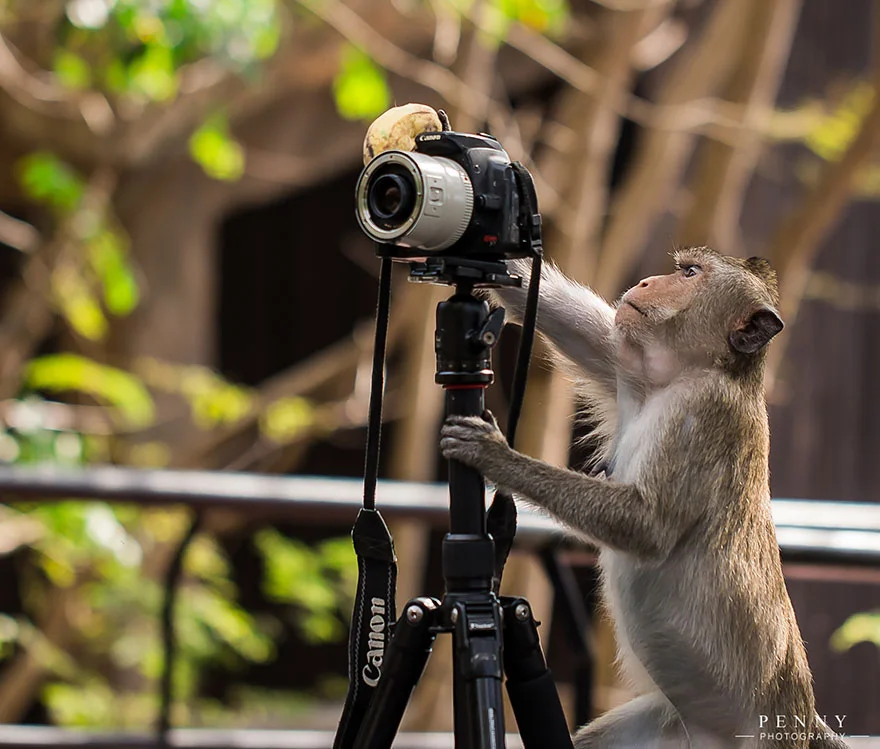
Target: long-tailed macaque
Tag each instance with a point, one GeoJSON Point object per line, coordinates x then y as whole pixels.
{"type": "Point", "coordinates": [691, 572]}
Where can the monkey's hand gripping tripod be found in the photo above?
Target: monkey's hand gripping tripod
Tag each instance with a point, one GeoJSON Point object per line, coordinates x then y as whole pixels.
{"type": "Point", "coordinates": [492, 636]}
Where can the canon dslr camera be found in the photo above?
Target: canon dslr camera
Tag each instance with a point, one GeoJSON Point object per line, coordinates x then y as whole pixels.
{"type": "Point", "coordinates": [456, 195]}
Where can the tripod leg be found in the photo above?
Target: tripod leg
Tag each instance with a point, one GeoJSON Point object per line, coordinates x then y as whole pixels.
{"type": "Point", "coordinates": [530, 685]}
{"type": "Point", "coordinates": [477, 700]}
{"type": "Point", "coordinates": [402, 665]}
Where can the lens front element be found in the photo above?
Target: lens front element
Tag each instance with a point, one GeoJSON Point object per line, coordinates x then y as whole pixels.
{"type": "Point", "coordinates": [391, 198]}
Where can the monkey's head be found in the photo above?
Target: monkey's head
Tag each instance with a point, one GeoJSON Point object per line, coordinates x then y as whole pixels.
{"type": "Point", "coordinates": [712, 311]}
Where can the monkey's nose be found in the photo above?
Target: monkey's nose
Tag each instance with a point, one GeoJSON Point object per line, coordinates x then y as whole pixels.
{"type": "Point", "coordinates": [644, 283]}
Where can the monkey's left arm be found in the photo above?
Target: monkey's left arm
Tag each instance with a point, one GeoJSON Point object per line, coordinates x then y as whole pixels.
{"type": "Point", "coordinates": [617, 515]}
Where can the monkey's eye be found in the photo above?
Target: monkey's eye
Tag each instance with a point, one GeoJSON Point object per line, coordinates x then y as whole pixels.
{"type": "Point", "coordinates": [690, 270]}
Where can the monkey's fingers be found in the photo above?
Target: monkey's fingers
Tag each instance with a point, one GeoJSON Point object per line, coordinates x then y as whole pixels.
{"type": "Point", "coordinates": [489, 417]}
{"type": "Point", "coordinates": [470, 434]}
{"type": "Point", "coordinates": [476, 423]}
{"type": "Point", "coordinates": [464, 433]}
{"type": "Point", "coordinates": [456, 449]}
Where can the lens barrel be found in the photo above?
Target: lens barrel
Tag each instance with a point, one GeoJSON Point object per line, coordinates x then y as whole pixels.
{"type": "Point", "coordinates": [414, 200]}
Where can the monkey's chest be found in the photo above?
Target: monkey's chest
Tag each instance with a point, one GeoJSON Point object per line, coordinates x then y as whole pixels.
{"type": "Point", "coordinates": [641, 438]}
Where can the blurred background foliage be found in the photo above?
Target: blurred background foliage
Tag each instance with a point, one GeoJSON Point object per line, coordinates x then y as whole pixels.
{"type": "Point", "coordinates": [104, 94]}
{"type": "Point", "coordinates": [103, 563]}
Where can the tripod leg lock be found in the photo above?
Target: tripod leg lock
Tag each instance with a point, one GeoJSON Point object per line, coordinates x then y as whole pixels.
{"type": "Point", "coordinates": [530, 685]}
{"type": "Point", "coordinates": [523, 657]}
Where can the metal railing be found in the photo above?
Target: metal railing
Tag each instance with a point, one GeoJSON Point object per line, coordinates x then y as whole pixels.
{"type": "Point", "coordinates": [846, 533]}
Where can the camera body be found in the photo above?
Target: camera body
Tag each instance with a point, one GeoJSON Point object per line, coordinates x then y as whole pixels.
{"type": "Point", "coordinates": [456, 195]}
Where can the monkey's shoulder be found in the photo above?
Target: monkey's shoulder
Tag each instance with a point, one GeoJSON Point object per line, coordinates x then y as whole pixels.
{"type": "Point", "coordinates": [680, 436]}
{"type": "Point", "coordinates": [715, 410]}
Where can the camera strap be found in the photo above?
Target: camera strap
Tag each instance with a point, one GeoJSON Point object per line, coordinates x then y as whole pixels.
{"type": "Point", "coordinates": [501, 518]}
{"type": "Point", "coordinates": [374, 605]}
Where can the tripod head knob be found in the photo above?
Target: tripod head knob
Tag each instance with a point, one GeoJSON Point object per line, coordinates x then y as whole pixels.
{"type": "Point", "coordinates": [489, 333]}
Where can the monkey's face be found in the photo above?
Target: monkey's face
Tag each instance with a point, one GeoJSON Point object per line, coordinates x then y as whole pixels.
{"type": "Point", "coordinates": [657, 299]}
{"type": "Point", "coordinates": [710, 311]}
{"type": "Point", "coordinates": [647, 322]}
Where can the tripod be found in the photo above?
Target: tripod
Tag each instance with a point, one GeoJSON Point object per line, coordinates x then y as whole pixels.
{"type": "Point", "coordinates": [492, 636]}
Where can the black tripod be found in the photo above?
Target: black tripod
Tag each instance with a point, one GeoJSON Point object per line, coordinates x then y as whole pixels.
{"type": "Point", "coordinates": [492, 636]}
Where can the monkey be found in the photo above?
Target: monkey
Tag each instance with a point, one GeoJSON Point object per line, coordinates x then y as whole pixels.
{"type": "Point", "coordinates": [690, 565]}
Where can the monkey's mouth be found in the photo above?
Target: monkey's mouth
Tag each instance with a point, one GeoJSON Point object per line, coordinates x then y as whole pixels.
{"type": "Point", "coordinates": [640, 311]}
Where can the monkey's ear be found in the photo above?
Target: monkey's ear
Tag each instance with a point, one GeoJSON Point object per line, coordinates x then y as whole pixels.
{"type": "Point", "coordinates": [756, 331]}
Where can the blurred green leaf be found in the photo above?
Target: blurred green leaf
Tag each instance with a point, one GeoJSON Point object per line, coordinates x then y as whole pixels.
{"type": "Point", "coordinates": [292, 571]}
{"type": "Point", "coordinates": [833, 134]}
{"type": "Point", "coordinates": [229, 623]}
{"type": "Point", "coordinates": [546, 16]}
{"type": "Point", "coordinates": [863, 627]}
{"type": "Point", "coordinates": [360, 88]}
{"type": "Point", "coordinates": [124, 391]}
{"type": "Point", "coordinates": [107, 255]}
{"type": "Point", "coordinates": [308, 578]}
{"type": "Point", "coordinates": [213, 400]}
{"type": "Point", "coordinates": [46, 179]}
{"type": "Point", "coordinates": [78, 304]}
{"type": "Point", "coordinates": [140, 46]}
{"type": "Point", "coordinates": [72, 70]}
{"type": "Point", "coordinates": [285, 419]}
{"type": "Point", "coordinates": [216, 151]}
{"type": "Point", "coordinates": [265, 41]}
{"type": "Point", "coordinates": [116, 77]}
{"type": "Point", "coordinates": [80, 704]}
{"type": "Point", "coordinates": [205, 560]}
{"type": "Point", "coordinates": [9, 632]}
{"type": "Point", "coordinates": [154, 73]}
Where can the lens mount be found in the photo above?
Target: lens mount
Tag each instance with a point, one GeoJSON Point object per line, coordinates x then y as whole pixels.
{"type": "Point", "coordinates": [378, 222]}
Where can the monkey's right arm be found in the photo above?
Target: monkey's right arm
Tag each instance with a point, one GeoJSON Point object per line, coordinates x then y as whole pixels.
{"type": "Point", "coordinates": [575, 319]}
{"type": "Point", "coordinates": [617, 515]}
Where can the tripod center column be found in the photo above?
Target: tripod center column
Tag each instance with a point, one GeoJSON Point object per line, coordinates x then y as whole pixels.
{"type": "Point", "coordinates": [465, 333]}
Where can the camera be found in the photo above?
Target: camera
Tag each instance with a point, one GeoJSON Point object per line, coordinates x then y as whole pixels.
{"type": "Point", "coordinates": [456, 194]}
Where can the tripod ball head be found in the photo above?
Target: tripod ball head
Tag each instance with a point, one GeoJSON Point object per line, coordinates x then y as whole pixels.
{"type": "Point", "coordinates": [465, 335]}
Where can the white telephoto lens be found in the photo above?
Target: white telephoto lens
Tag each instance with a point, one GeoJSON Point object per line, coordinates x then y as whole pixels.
{"type": "Point", "coordinates": [414, 200]}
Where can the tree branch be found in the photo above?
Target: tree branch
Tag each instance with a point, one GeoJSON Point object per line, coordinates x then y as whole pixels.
{"type": "Point", "coordinates": [662, 154]}
{"type": "Point", "coordinates": [391, 57]}
{"type": "Point", "coordinates": [23, 676]}
{"type": "Point", "coordinates": [18, 234]}
{"type": "Point", "coordinates": [41, 94]}
{"type": "Point", "coordinates": [723, 170]}
{"type": "Point", "coordinates": [27, 311]}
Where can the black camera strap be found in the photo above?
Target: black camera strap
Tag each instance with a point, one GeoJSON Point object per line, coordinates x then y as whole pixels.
{"type": "Point", "coordinates": [501, 518]}
{"type": "Point", "coordinates": [374, 605]}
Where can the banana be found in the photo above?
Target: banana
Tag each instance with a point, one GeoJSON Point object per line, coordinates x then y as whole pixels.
{"type": "Point", "coordinates": [397, 128]}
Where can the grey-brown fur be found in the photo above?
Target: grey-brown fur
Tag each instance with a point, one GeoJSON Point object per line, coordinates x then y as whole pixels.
{"type": "Point", "coordinates": [691, 571]}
